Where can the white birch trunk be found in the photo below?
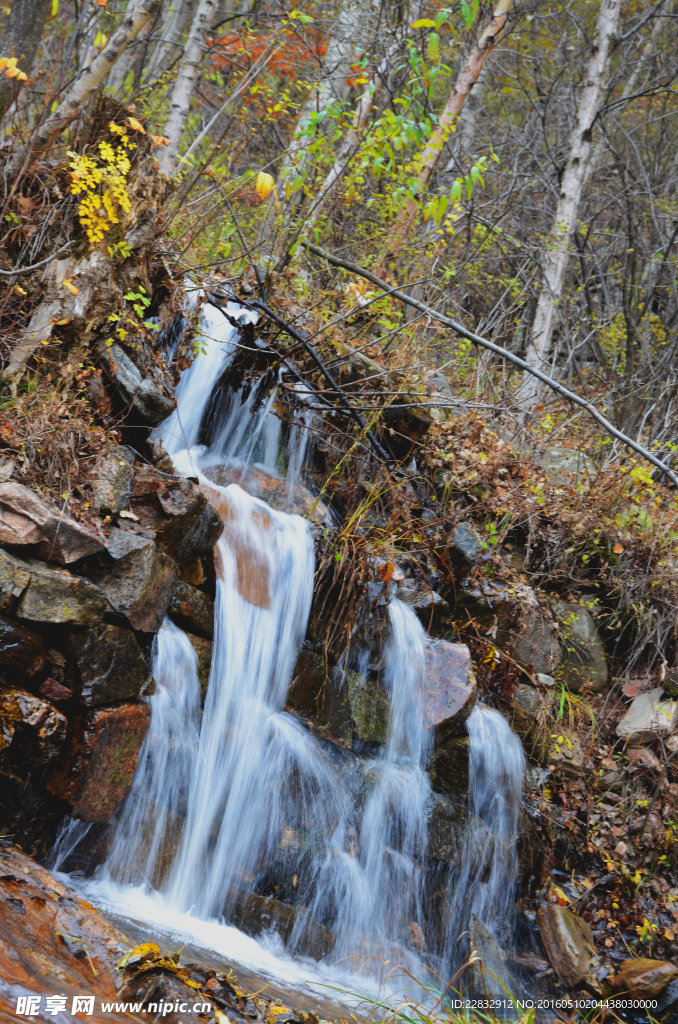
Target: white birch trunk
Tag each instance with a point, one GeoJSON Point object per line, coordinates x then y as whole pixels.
{"type": "Point", "coordinates": [188, 74]}
{"type": "Point", "coordinates": [577, 170]}
{"type": "Point", "coordinates": [87, 82]}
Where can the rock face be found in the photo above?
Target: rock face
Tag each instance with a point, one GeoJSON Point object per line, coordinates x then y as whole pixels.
{"type": "Point", "coordinates": [192, 610]}
{"type": "Point", "coordinates": [255, 914]}
{"type": "Point", "coordinates": [109, 665]}
{"type": "Point", "coordinates": [273, 490]}
{"type": "Point", "coordinates": [535, 643]}
{"type": "Point", "coordinates": [52, 942]}
{"type": "Point", "coordinates": [56, 596]}
{"type": "Point", "coordinates": [140, 584]}
{"type": "Point", "coordinates": [583, 658]}
{"type": "Point", "coordinates": [649, 717]}
{"type": "Point", "coordinates": [175, 509]}
{"type": "Point", "coordinates": [643, 979]}
{"type": "Point", "coordinates": [22, 652]}
{"type": "Point", "coordinates": [22, 713]}
{"type": "Point", "coordinates": [450, 688]}
{"type": "Point", "coordinates": [111, 479]}
{"type": "Point", "coordinates": [95, 772]}
{"type": "Point", "coordinates": [144, 394]}
{"type": "Point", "coordinates": [568, 942]}
{"type": "Point", "coordinates": [26, 521]}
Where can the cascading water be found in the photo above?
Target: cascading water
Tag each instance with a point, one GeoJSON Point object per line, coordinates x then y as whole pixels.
{"type": "Point", "coordinates": [221, 795]}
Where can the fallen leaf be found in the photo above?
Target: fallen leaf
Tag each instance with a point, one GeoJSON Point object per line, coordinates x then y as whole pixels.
{"type": "Point", "coordinates": [71, 287]}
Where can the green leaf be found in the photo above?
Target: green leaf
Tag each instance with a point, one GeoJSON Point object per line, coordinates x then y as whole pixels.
{"type": "Point", "coordinates": [433, 47]}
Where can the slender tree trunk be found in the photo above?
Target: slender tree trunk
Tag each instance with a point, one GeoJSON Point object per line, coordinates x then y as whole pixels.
{"type": "Point", "coordinates": [87, 82]}
{"type": "Point", "coordinates": [575, 174]}
{"type": "Point", "coordinates": [468, 76]}
{"type": "Point", "coordinates": [21, 39]}
{"type": "Point", "coordinates": [189, 71]}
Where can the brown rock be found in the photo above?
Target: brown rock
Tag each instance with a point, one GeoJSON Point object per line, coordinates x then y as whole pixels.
{"type": "Point", "coordinates": [140, 585]}
{"type": "Point", "coordinates": [14, 578]}
{"type": "Point", "coordinates": [95, 772]}
{"type": "Point", "coordinates": [568, 942]}
{"type": "Point", "coordinates": [255, 914]}
{"type": "Point", "coordinates": [111, 478]}
{"type": "Point", "coordinates": [449, 689]}
{"type": "Point", "coordinates": [22, 652]}
{"type": "Point", "coordinates": [22, 713]}
{"type": "Point", "coordinates": [643, 979]}
{"type": "Point", "coordinates": [276, 492]}
{"type": "Point", "coordinates": [203, 648]}
{"type": "Point", "coordinates": [25, 520]}
{"type": "Point", "coordinates": [193, 610]}
{"type": "Point", "coordinates": [55, 595]}
{"type": "Point", "coordinates": [109, 664]}
{"type": "Point", "coordinates": [52, 942]}
{"type": "Point", "coordinates": [55, 691]}
{"type": "Point", "coordinates": [177, 511]}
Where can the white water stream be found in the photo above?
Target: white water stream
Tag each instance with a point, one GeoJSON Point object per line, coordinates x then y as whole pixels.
{"type": "Point", "coordinates": [227, 792]}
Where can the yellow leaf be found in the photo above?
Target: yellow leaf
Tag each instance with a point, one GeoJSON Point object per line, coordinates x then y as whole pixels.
{"type": "Point", "coordinates": [12, 73]}
{"type": "Point", "coordinates": [146, 951]}
{"type": "Point", "coordinates": [137, 125]}
{"type": "Point", "coordinates": [7, 62]}
{"type": "Point", "coordinates": [71, 287]}
{"type": "Point", "coordinates": [19, 290]}
{"type": "Point", "coordinates": [22, 77]}
{"type": "Point", "coordinates": [264, 185]}
{"type": "Point", "coordinates": [102, 3]}
{"type": "Point", "coordinates": [558, 892]}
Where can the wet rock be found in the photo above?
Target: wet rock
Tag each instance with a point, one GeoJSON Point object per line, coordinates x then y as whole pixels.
{"type": "Point", "coordinates": [368, 702]}
{"type": "Point", "coordinates": [446, 829]}
{"type": "Point", "coordinates": [111, 478]}
{"type": "Point", "coordinates": [273, 490]}
{"type": "Point", "coordinates": [648, 718]}
{"type": "Point", "coordinates": [535, 643]}
{"type": "Point", "coordinates": [643, 979]}
{"type": "Point", "coordinates": [255, 914]}
{"type": "Point", "coordinates": [142, 392]}
{"type": "Point", "coordinates": [55, 691]}
{"type": "Point", "coordinates": [450, 688]}
{"type": "Point", "coordinates": [109, 665]}
{"type": "Point", "coordinates": [203, 648]}
{"type": "Point", "coordinates": [140, 585]}
{"type": "Point", "coordinates": [123, 542]}
{"type": "Point", "coordinates": [450, 768]}
{"type": "Point", "coordinates": [38, 729]}
{"type": "Point", "coordinates": [568, 942]}
{"type": "Point", "coordinates": [403, 428]}
{"type": "Point", "coordinates": [177, 511]}
{"type": "Point", "coordinates": [51, 941]}
{"type": "Point", "coordinates": [583, 658]}
{"type": "Point", "coordinates": [311, 673]}
{"type": "Point", "coordinates": [192, 610]}
{"type": "Point", "coordinates": [57, 596]}
{"type": "Point", "coordinates": [95, 771]}
{"type": "Point", "coordinates": [26, 521]}
{"type": "Point", "coordinates": [528, 698]}
{"type": "Point", "coordinates": [22, 652]}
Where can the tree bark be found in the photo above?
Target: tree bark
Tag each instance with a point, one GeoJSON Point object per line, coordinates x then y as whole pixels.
{"type": "Point", "coordinates": [87, 82]}
{"type": "Point", "coordinates": [575, 175]}
{"type": "Point", "coordinates": [23, 33]}
{"type": "Point", "coordinates": [189, 71]}
{"type": "Point", "coordinates": [467, 78]}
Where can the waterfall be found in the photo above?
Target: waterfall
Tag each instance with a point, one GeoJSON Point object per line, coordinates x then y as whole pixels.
{"type": "Point", "coordinates": [234, 797]}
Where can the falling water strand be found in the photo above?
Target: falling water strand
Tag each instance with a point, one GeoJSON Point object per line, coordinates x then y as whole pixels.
{"type": "Point", "coordinates": [484, 891]}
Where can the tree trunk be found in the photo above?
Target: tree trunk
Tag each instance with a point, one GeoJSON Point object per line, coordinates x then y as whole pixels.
{"type": "Point", "coordinates": [23, 33]}
{"type": "Point", "coordinates": [189, 70]}
{"type": "Point", "coordinates": [87, 82]}
{"type": "Point", "coordinates": [468, 76]}
{"type": "Point", "coordinates": [575, 174]}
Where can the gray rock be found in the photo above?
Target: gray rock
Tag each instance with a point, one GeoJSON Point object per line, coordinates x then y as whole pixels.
{"type": "Point", "coordinates": [26, 521]}
{"type": "Point", "coordinates": [111, 478]}
{"type": "Point", "coordinates": [55, 595]}
{"type": "Point", "coordinates": [566, 467]}
{"type": "Point", "coordinates": [273, 490]}
{"type": "Point", "coordinates": [140, 585]}
{"type": "Point", "coordinates": [139, 391]}
{"type": "Point", "coordinates": [450, 688]}
{"type": "Point", "coordinates": [535, 644]}
{"type": "Point", "coordinates": [14, 578]}
{"type": "Point", "coordinates": [649, 717]}
{"type": "Point", "coordinates": [583, 657]}
{"type": "Point", "coordinates": [466, 546]}
{"type": "Point", "coordinates": [109, 664]}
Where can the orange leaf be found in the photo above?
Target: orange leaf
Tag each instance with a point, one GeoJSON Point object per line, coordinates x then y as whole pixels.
{"type": "Point", "coordinates": [159, 140]}
{"type": "Point", "coordinates": [386, 571]}
{"type": "Point", "coordinates": [71, 287]}
{"type": "Point", "coordinates": [102, 3]}
{"type": "Point", "coordinates": [22, 77]}
{"type": "Point", "coordinates": [618, 549]}
{"type": "Point", "coordinates": [137, 125]}
{"type": "Point", "coordinates": [12, 73]}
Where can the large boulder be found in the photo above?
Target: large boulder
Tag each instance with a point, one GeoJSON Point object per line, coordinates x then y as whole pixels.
{"type": "Point", "coordinates": [139, 584]}
{"type": "Point", "coordinates": [22, 651]}
{"type": "Point", "coordinates": [192, 610]}
{"type": "Point", "coordinates": [450, 689]}
{"type": "Point", "coordinates": [176, 510]}
{"type": "Point", "coordinates": [32, 726]}
{"type": "Point", "coordinates": [583, 661]}
{"type": "Point", "coordinates": [568, 942]}
{"type": "Point", "coordinates": [648, 717]}
{"type": "Point", "coordinates": [535, 640]}
{"type": "Point", "coordinates": [145, 393]}
{"type": "Point", "coordinates": [643, 978]}
{"type": "Point", "coordinates": [109, 664]}
{"type": "Point", "coordinates": [94, 774]}
{"type": "Point", "coordinates": [52, 942]}
{"type": "Point", "coordinates": [51, 595]}
{"type": "Point", "coordinates": [26, 521]}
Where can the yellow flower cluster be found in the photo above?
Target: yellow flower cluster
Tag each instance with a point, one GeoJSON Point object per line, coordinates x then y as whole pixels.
{"type": "Point", "coordinates": [101, 180]}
